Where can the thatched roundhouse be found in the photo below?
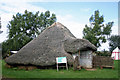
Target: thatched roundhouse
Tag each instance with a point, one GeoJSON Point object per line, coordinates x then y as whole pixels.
{"type": "Point", "coordinates": [55, 41]}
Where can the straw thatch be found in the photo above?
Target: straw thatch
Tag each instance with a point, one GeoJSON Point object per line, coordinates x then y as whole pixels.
{"type": "Point", "coordinates": [53, 42]}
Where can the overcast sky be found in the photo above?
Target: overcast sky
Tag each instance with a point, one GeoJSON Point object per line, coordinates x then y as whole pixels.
{"type": "Point", "coordinates": [74, 15]}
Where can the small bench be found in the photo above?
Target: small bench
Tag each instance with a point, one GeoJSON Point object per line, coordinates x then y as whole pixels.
{"type": "Point", "coordinates": [106, 66]}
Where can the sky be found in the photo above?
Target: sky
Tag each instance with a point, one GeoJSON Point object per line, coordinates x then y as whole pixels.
{"type": "Point", "coordinates": [73, 14]}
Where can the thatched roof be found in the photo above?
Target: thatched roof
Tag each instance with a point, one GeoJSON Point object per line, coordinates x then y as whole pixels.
{"type": "Point", "coordinates": [53, 42]}
{"type": "Point", "coordinates": [74, 45]}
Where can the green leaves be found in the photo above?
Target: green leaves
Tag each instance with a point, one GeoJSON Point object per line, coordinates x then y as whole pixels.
{"type": "Point", "coordinates": [0, 26]}
{"type": "Point", "coordinates": [96, 33]}
{"type": "Point", "coordinates": [0, 22]}
{"type": "Point", "coordinates": [107, 29]}
{"type": "Point", "coordinates": [25, 27]}
{"type": "Point", "coordinates": [114, 41]}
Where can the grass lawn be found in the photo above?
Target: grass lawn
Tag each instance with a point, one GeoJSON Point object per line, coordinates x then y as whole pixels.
{"type": "Point", "coordinates": [63, 73]}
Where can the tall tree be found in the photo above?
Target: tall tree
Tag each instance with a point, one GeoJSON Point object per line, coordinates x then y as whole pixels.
{"type": "Point", "coordinates": [114, 41]}
{"type": "Point", "coordinates": [0, 26]}
{"type": "Point", "coordinates": [0, 22]}
{"type": "Point", "coordinates": [97, 32]}
{"type": "Point", "coordinates": [25, 27]}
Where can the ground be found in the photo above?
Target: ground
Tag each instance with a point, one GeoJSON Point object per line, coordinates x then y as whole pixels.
{"type": "Point", "coordinates": [63, 73]}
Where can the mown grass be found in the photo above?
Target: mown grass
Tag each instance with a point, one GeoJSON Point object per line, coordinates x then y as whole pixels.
{"type": "Point", "coordinates": [63, 73]}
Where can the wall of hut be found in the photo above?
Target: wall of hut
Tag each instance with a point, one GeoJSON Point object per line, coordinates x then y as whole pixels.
{"type": "Point", "coordinates": [86, 58]}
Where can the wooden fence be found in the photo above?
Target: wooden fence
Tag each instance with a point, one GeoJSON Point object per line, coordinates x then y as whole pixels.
{"type": "Point", "coordinates": [102, 61]}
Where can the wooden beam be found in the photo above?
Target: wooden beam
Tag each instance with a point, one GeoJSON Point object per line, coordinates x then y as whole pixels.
{"type": "Point", "coordinates": [79, 52]}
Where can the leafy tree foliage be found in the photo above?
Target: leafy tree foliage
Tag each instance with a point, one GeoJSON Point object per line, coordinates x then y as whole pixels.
{"type": "Point", "coordinates": [97, 32]}
{"type": "Point", "coordinates": [25, 27]}
{"type": "Point", "coordinates": [0, 26]}
{"type": "Point", "coordinates": [0, 22]}
{"type": "Point", "coordinates": [114, 41]}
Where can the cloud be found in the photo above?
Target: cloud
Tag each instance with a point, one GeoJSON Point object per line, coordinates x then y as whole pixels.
{"type": "Point", "coordinates": [19, 7]}
{"type": "Point", "coordinates": [10, 8]}
{"type": "Point", "coordinates": [85, 9]}
{"type": "Point", "coordinates": [4, 21]}
{"type": "Point", "coordinates": [75, 27]}
{"type": "Point", "coordinates": [104, 46]}
{"type": "Point", "coordinates": [114, 30]}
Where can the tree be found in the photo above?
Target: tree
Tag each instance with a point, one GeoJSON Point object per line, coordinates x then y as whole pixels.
{"type": "Point", "coordinates": [0, 22]}
{"type": "Point", "coordinates": [97, 32]}
{"type": "Point", "coordinates": [0, 26]}
{"type": "Point", "coordinates": [25, 27]}
{"type": "Point", "coordinates": [114, 41]}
